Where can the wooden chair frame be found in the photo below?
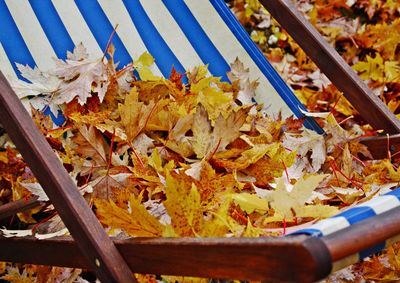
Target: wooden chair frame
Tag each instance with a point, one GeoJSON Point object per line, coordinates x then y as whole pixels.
{"type": "Point", "coordinates": [308, 258]}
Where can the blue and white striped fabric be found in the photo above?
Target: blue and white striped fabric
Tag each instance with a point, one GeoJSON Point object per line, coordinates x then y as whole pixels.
{"type": "Point", "coordinates": [371, 208]}
{"type": "Point", "coordinates": [179, 33]}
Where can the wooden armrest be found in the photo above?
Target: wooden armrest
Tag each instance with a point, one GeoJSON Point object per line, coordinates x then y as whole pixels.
{"type": "Point", "coordinates": [289, 259]}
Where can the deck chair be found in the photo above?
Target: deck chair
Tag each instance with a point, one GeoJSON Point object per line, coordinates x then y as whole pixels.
{"type": "Point", "coordinates": [183, 33]}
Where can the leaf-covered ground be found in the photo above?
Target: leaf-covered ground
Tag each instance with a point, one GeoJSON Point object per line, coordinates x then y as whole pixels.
{"type": "Point", "coordinates": [156, 157]}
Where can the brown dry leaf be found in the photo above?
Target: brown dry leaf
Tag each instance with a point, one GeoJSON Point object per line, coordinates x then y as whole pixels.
{"type": "Point", "coordinates": [91, 146]}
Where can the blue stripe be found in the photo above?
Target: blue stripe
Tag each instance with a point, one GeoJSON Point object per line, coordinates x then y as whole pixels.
{"type": "Point", "coordinates": [255, 53]}
{"type": "Point", "coordinates": [373, 250]}
{"type": "Point", "coordinates": [53, 27]}
{"type": "Point", "coordinates": [357, 214]}
{"type": "Point", "coordinates": [204, 47]}
{"type": "Point", "coordinates": [155, 44]}
{"type": "Point", "coordinates": [12, 41]}
{"type": "Point", "coordinates": [102, 29]}
{"type": "Point", "coordinates": [395, 192]}
{"type": "Point", "coordinates": [308, 231]}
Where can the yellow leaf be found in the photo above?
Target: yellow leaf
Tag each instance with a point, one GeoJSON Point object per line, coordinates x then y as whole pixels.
{"type": "Point", "coordinates": [183, 206]}
{"type": "Point", "coordinates": [316, 211]}
{"type": "Point", "coordinates": [185, 279]}
{"type": "Point", "coordinates": [251, 231]}
{"type": "Point", "coordinates": [142, 65]}
{"type": "Point", "coordinates": [250, 202]}
{"type": "Point", "coordinates": [214, 100]}
{"type": "Point", "coordinates": [283, 201]}
{"type": "Point", "coordinates": [198, 73]}
{"type": "Point", "coordinates": [219, 225]}
{"type": "Point", "coordinates": [201, 128]}
{"type": "Point", "coordinates": [138, 223]}
{"type": "Point", "coordinates": [20, 192]}
{"type": "Point", "coordinates": [372, 69]}
{"type": "Point", "coordinates": [4, 157]}
{"type": "Point", "coordinates": [155, 160]}
{"type": "Point", "coordinates": [254, 154]}
{"type": "Point", "coordinates": [206, 140]}
{"type": "Point", "coordinates": [145, 60]}
{"type": "Point", "coordinates": [2, 267]}
{"type": "Point", "coordinates": [392, 71]}
{"type": "Point", "coordinates": [14, 276]}
{"type": "Point", "coordinates": [134, 114]}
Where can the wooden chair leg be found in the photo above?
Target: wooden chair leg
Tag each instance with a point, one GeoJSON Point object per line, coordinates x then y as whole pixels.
{"type": "Point", "coordinates": [100, 252]}
{"type": "Point", "coordinates": [9, 209]}
{"type": "Point", "coordinates": [370, 107]}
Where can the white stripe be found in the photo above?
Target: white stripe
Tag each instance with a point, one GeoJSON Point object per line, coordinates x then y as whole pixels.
{"type": "Point", "coordinates": [382, 203]}
{"type": "Point", "coordinates": [77, 27]}
{"type": "Point", "coordinates": [5, 65]}
{"type": "Point", "coordinates": [230, 48]}
{"type": "Point", "coordinates": [331, 225]}
{"type": "Point", "coordinates": [117, 14]}
{"type": "Point", "coordinates": [172, 34]}
{"type": "Point", "coordinates": [32, 33]}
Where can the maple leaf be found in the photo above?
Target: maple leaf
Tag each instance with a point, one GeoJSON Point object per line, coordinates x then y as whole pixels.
{"type": "Point", "coordinates": [177, 139]}
{"type": "Point", "coordinates": [80, 77]}
{"type": "Point", "coordinates": [285, 202]}
{"type": "Point", "coordinates": [142, 65]}
{"type": "Point", "coordinates": [105, 181]}
{"type": "Point", "coordinates": [41, 82]}
{"type": "Point", "coordinates": [138, 223]}
{"type": "Point", "coordinates": [246, 87]}
{"type": "Point", "coordinates": [392, 71]}
{"type": "Point", "coordinates": [134, 114]}
{"type": "Point", "coordinates": [37, 190]}
{"type": "Point", "coordinates": [308, 141]}
{"type": "Point", "coordinates": [206, 140]}
{"type": "Point", "coordinates": [209, 94]}
{"type": "Point", "coordinates": [197, 73]}
{"type": "Point", "coordinates": [14, 276]}
{"type": "Point", "coordinates": [91, 146]}
{"type": "Point", "coordinates": [183, 206]}
{"type": "Point", "coordinates": [373, 68]}
{"type": "Point", "coordinates": [220, 224]}
{"type": "Point", "coordinates": [250, 202]}
{"type": "Point", "coordinates": [383, 37]}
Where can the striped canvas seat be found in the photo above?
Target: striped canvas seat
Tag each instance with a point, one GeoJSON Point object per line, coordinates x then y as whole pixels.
{"type": "Point", "coordinates": [179, 33]}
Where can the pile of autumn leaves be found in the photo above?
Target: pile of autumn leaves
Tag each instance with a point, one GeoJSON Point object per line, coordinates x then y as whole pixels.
{"type": "Point", "coordinates": [159, 157]}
